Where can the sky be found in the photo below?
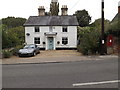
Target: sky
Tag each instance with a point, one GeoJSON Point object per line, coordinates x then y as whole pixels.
{"type": "Point", "coordinates": [26, 8]}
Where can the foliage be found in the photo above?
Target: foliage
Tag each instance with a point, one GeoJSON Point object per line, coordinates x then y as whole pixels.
{"type": "Point", "coordinates": [89, 40]}
{"type": "Point", "coordinates": [97, 24]}
{"type": "Point", "coordinates": [18, 33]}
{"type": "Point", "coordinates": [16, 49]}
{"type": "Point", "coordinates": [6, 53]}
{"type": "Point", "coordinates": [83, 17]}
{"type": "Point", "coordinates": [54, 9]}
{"type": "Point", "coordinates": [114, 29]}
{"type": "Point", "coordinates": [12, 32]}
{"type": "Point", "coordinates": [12, 22]}
{"type": "Point", "coordinates": [12, 37]}
{"type": "Point", "coordinates": [47, 13]}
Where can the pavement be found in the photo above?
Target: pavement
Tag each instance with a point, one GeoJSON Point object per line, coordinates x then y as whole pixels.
{"type": "Point", "coordinates": [53, 56]}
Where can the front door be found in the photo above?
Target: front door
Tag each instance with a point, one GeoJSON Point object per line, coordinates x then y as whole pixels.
{"type": "Point", "coordinates": [50, 43]}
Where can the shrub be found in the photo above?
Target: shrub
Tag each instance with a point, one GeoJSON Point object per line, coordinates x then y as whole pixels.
{"type": "Point", "coordinates": [16, 49]}
{"type": "Point", "coordinates": [6, 53]}
{"type": "Point", "coordinates": [89, 41]}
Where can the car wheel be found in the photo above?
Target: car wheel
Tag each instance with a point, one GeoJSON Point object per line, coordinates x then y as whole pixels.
{"type": "Point", "coordinates": [19, 55]}
{"type": "Point", "coordinates": [34, 54]}
{"type": "Point", "coordinates": [38, 52]}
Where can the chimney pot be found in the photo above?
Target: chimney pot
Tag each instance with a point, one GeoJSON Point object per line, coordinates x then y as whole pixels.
{"type": "Point", "coordinates": [54, 1]}
{"type": "Point", "coordinates": [64, 10]}
{"type": "Point", "coordinates": [41, 11]}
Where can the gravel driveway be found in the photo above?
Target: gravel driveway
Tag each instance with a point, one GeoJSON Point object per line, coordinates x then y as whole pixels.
{"type": "Point", "coordinates": [52, 56]}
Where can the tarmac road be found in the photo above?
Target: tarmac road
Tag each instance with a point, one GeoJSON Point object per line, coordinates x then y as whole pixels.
{"type": "Point", "coordinates": [62, 75]}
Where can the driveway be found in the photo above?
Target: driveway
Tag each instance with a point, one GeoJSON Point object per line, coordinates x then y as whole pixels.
{"type": "Point", "coordinates": [52, 56]}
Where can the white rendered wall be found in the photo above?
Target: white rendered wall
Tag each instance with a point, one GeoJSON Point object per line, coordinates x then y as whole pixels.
{"type": "Point", "coordinates": [71, 34]}
{"type": "Point", "coordinates": [30, 39]}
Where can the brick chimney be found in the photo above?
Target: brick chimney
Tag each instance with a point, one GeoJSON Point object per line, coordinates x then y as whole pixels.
{"type": "Point", "coordinates": [64, 10]}
{"type": "Point", "coordinates": [119, 7]}
{"type": "Point", "coordinates": [41, 11]}
{"type": "Point", "coordinates": [54, 0]}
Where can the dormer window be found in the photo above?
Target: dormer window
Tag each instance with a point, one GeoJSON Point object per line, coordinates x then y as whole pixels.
{"type": "Point", "coordinates": [37, 29]}
{"type": "Point", "coordinates": [64, 29]}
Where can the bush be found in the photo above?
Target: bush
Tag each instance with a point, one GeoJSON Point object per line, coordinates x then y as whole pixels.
{"type": "Point", "coordinates": [16, 49]}
{"type": "Point", "coordinates": [6, 53]}
{"type": "Point", "coordinates": [89, 41]}
{"type": "Point", "coordinates": [83, 50]}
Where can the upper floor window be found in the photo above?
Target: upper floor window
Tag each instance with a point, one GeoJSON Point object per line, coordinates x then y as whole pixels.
{"type": "Point", "coordinates": [64, 40]}
{"type": "Point", "coordinates": [37, 40]}
{"type": "Point", "coordinates": [37, 29]}
{"type": "Point", "coordinates": [64, 29]}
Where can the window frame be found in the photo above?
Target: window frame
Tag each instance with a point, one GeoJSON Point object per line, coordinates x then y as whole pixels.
{"type": "Point", "coordinates": [64, 40]}
{"type": "Point", "coordinates": [37, 39]}
{"type": "Point", "coordinates": [65, 29]}
{"type": "Point", "coordinates": [36, 29]}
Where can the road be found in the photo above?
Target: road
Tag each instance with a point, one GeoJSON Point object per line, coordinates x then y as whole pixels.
{"type": "Point", "coordinates": [62, 75]}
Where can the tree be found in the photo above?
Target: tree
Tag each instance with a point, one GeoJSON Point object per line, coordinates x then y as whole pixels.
{"type": "Point", "coordinates": [97, 24]}
{"type": "Point", "coordinates": [12, 22]}
{"type": "Point", "coordinates": [47, 13]}
{"type": "Point", "coordinates": [12, 32]}
{"type": "Point", "coordinates": [54, 8]}
{"type": "Point", "coordinates": [83, 17]}
{"type": "Point", "coordinates": [89, 40]}
{"type": "Point", "coordinates": [18, 33]}
{"type": "Point", "coordinates": [114, 29]}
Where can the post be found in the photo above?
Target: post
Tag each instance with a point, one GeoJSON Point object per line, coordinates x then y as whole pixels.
{"type": "Point", "coordinates": [103, 48]}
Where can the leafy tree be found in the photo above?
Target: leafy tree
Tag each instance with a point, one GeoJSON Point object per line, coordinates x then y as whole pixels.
{"type": "Point", "coordinates": [89, 40]}
{"type": "Point", "coordinates": [12, 31]}
{"type": "Point", "coordinates": [18, 33]}
{"type": "Point", "coordinates": [12, 22]}
{"type": "Point", "coordinates": [12, 37]}
{"type": "Point", "coordinates": [47, 13]}
{"type": "Point", "coordinates": [114, 29]}
{"type": "Point", "coordinates": [83, 17]}
{"type": "Point", "coordinates": [54, 8]}
{"type": "Point", "coordinates": [97, 24]}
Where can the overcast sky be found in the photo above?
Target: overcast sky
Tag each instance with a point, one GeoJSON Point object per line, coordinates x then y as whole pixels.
{"type": "Point", "coordinates": [26, 8]}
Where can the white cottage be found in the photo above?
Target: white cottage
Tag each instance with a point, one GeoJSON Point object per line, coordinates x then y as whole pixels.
{"type": "Point", "coordinates": [52, 32]}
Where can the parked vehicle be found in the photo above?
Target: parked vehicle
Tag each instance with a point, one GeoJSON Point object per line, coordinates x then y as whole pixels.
{"type": "Point", "coordinates": [29, 50]}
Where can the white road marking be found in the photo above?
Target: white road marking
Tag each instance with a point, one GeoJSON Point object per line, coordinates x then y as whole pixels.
{"type": "Point", "coordinates": [94, 83]}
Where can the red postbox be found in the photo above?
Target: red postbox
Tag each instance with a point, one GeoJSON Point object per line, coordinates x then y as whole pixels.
{"type": "Point", "coordinates": [110, 41]}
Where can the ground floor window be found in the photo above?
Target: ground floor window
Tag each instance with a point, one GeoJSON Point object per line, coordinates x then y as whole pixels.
{"type": "Point", "coordinates": [64, 40]}
{"type": "Point", "coordinates": [37, 40]}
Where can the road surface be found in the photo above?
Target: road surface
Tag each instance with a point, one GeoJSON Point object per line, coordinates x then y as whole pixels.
{"type": "Point", "coordinates": [82, 74]}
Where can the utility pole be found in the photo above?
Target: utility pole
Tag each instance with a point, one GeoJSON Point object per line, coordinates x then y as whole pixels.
{"type": "Point", "coordinates": [103, 48]}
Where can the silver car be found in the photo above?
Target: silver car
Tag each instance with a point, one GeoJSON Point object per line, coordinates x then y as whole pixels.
{"type": "Point", "coordinates": [29, 50]}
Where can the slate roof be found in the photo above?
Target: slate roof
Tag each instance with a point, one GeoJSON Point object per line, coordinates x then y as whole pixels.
{"type": "Point", "coordinates": [116, 18]}
{"type": "Point", "coordinates": [51, 21]}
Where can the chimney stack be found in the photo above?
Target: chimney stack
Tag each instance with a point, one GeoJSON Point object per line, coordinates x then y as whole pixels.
{"type": "Point", "coordinates": [64, 10]}
{"type": "Point", "coordinates": [41, 11]}
{"type": "Point", "coordinates": [54, 1]}
{"type": "Point", "coordinates": [119, 7]}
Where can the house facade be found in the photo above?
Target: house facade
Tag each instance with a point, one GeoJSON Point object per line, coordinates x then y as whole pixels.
{"type": "Point", "coordinates": [52, 32]}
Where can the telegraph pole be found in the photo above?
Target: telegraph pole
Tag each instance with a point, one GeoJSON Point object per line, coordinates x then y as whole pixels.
{"type": "Point", "coordinates": [102, 50]}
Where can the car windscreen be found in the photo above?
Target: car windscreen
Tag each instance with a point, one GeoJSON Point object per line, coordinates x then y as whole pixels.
{"type": "Point", "coordinates": [29, 46]}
